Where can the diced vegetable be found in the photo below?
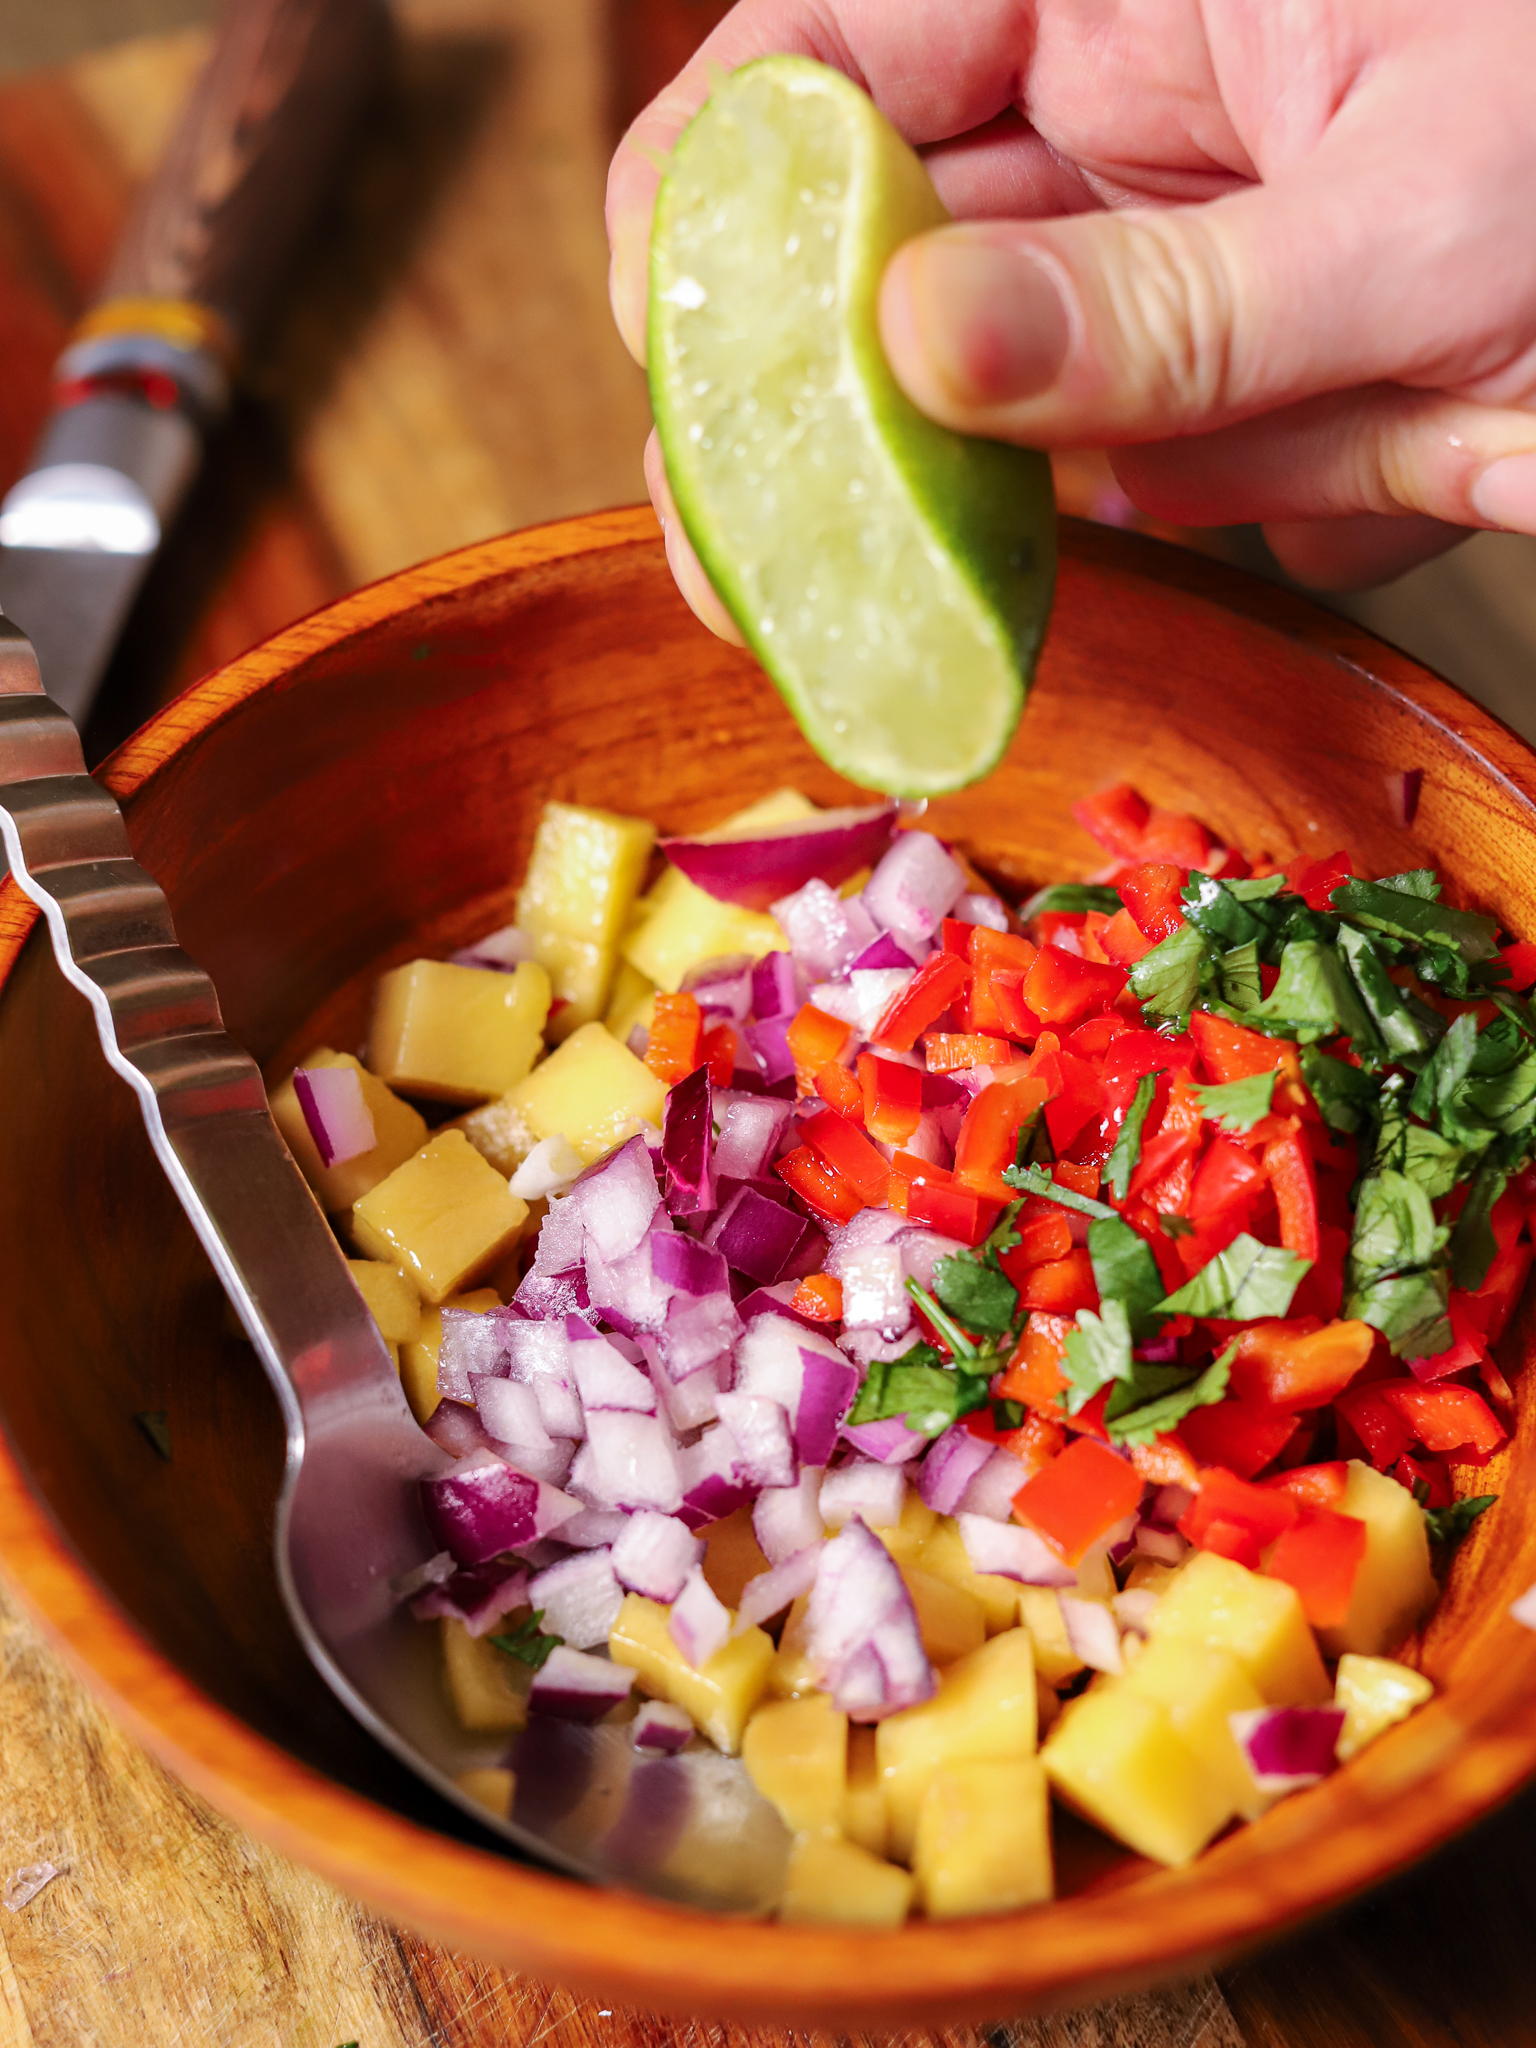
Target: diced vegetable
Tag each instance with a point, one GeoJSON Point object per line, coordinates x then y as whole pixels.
{"type": "Point", "coordinates": [592, 1091]}
{"type": "Point", "coordinates": [720, 1696]}
{"type": "Point", "coordinates": [445, 1216]}
{"type": "Point", "coordinates": [983, 1838]}
{"type": "Point", "coordinates": [399, 1130]}
{"type": "Point", "coordinates": [457, 1034]}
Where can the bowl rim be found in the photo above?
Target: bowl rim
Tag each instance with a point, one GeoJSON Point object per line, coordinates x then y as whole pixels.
{"type": "Point", "coordinates": [667, 1958]}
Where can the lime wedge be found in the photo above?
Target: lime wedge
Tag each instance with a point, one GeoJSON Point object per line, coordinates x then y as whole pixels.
{"type": "Point", "coordinates": [892, 577]}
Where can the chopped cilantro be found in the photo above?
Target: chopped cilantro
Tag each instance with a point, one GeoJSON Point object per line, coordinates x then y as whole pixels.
{"type": "Point", "coordinates": [1122, 1161]}
{"type": "Point", "coordinates": [1235, 975]}
{"type": "Point", "coordinates": [1447, 1068]}
{"type": "Point", "coordinates": [1034, 1180]}
{"type": "Point", "coordinates": [1473, 1246]}
{"type": "Point", "coordinates": [1314, 998]}
{"type": "Point", "coordinates": [1408, 1028]}
{"type": "Point", "coordinates": [1158, 1397]}
{"type": "Point", "coordinates": [1167, 979]}
{"type": "Point", "coordinates": [1008, 1415]}
{"type": "Point", "coordinates": [1238, 1105]}
{"type": "Point", "coordinates": [979, 1295]}
{"type": "Point", "coordinates": [1398, 908]}
{"type": "Point", "coordinates": [1345, 1096]}
{"type": "Point", "coordinates": [1409, 1311]}
{"type": "Point", "coordinates": [1449, 1525]}
{"type": "Point", "coordinates": [1097, 1350]}
{"type": "Point", "coordinates": [1242, 1283]}
{"type": "Point", "coordinates": [1072, 898]}
{"type": "Point", "coordinates": [919, 1387]}
{"type": "Point", "coordinates": [1125, 1271]}
{"type": "Point", "coordinates": [1395, 1229]}
{"type": "Point", "coordinates": [528, 1642]}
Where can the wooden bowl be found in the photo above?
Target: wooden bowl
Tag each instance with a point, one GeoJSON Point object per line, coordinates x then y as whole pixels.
{"type": "Point", "coordinates": [365, 785]}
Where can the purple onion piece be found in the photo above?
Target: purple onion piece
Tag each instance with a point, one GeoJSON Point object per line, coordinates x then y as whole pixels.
{"type": "Point", "coordinates": [616, 1200]}
{"type": "Point", "coordinates": [661, 1730]}
{"type": "Point", "coordinates": [768, 1041]}
{"type": "Point", "coordinates": [456, 1428]}
{"type": "Point", "coordinates": [775, 987]}
{"type": "Point", "coordinates": [1288, 1748]}
{"type": "Point", "coordinates": [481, 1510]}
{"type": "Point", "coordinates": [862, 1630]}
{"type": "Point", "coordinates": [687, 1141]}
{"type": "Point", "coordinates": [874, 1493]}
{"type": "Point", "coordinates": [603, 1378]}
{"type": "Point", "coordinates": [886, 1443]}
{"type": "Point", "coordinates": [914, 887]}
{"type": "Point", "coordinates": [882, 951]}
{"type": "Point", "coordinates": [771, 1592]}
{"type": "Point", "coordinates": [756, 1235]}
{"type": "Point", "coordinates": [699, 1623]}
{"type": "Point", "coordinates": [571, 1685]}
{"type": "Point", "coordinates": [759, 1427]}
{"type": "Point", "coordinates": [787, 1519]}
{"type": "Point", "coordinates": [827, 1392]}
{"type": "Point", "coordinates": [579, 1598]}
{"type": "Point", "coordinates": [754, 870]}
{"type": "Point", "coordinates": [339, 1119]}
{"type": "Point", "coordinates": [950, 1466]}
{"type": "Point", "coordinates": [478, 1595]}
{"type": "Point", "coordinates": [1012, 1552]}
{"type": "Point", "coordinates": [655, 1554]}
{"type": "Point", "coordinates": [688, 1267]}
{"type": "Point", "coordinates": [1093, 1633]}
{"type": "Point", "coordinates": [992, 1491]}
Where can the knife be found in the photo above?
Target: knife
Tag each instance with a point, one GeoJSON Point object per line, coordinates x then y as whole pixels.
{"type": "Point", "coordinates": [147, 372]}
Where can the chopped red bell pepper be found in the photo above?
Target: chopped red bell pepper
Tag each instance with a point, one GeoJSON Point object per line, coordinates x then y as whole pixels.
{"type": "Point", "coordinates": [815, 1040]}
{"type": "Point", "coordinates": [1321, 1292]}
{"type": "Point", "coordinates": [1520, 959]}
{"type": "Point", "coordinates": [1093, 1038]}
{"type": "Point", "coordinates": [677, 1038]}
{"type": "Point", "coordinates": [1315, 880]}
{"type": "Point", "coordinates": [1239, 1435]}
{"type": "Point", "coordinates": [1227, 1174]}
{"type": "Point", "coordinates": [1231, 1052]}
{"type": "Point", "coordinates": [1296, 1364]}
{"type": "Point", "coordinates": [1175, 836]}
{"type": "Point", "coordinates": [1235, 1519]}
{"type": "Point", "coordinates": [1288, 1162]}
{"type": "Point", "coordinates": [1044, 1233]}
{"type": "Point", "coordinates": [720, 1054]}
{"type": "Point", "coordinates": [1445, 1418]}
{"type": "Point", "coordinates": [892, 1097]}
{"type": "Point", "coordinates": [1376, 1423]}
{"type": "Point", "coordinates": [936, 984]}
{"type": "Point", "coordinates": [1033, 1375]}
{"type": "Point", "coordinates": [1426, 1473]}
{"type": "Point", "coordinates": [848, 1152]}
{"type": "Point", "coordinates": [1116, 817]}
{"type": "Point", "coordinates": [1173, 1146]}
{"type": "Point", "coordinates": [1166, 1461]}
{"type": "Point", "coordinates": [989, 1134]}
{"type": "Point", "coordinates": [947, 1051]}
{"type": "Point", "coordinates": [955, 937]}
{"type": "Point", "coordinates": [1078, 1497]}
{"type": "Point", "coordinates": [839, 1088]}
{"type": "Point", "coordinates": [1060, 1287]}
{"type": "Point", "coordinates": [1321, 1557]}
{"type": "Point", "coordinates": [953, 1210]}
{"type": "Point", "coordinates": [999, 962]}
{"type": "Point", "coordinates": [1153, 894]}
{"type": "Point", "coordinates": [1122, 940]}
{"type": "Point", "coordinates": [819, 1295]}
{"type": "Point", "coordinates": [1494, 1302]}
{"type": "Point", "coordinates": [820, 1188]}
{"type": "Point", "coordinates": [1062, 989]}
{"type": "Point", "coordinates": [1318, 1486]}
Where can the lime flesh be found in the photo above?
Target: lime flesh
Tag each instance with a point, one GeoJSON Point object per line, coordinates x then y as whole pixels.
{"type": "Point", "coordinates": [893, 577]}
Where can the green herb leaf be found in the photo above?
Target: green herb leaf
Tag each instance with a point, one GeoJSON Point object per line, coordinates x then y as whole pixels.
{"type": "Point", "coordinates": [1220, 913]}
{"type": "Point", "coordinates": [1430, 1161]}
{"type": "Point", "coordinates": [1473, 1245]}
{"type": "Point", "coordinates": [1125, 1271]}
{"type": "Point", "coordinates": [1313, 998]}
{"type": "Point", "coordinates": [1008, 1415]}
{"type": "Point", "coordinates": [959, 1343]}
{"type": "Point", "coordinates": [1122, 1161]}
{"type": "Point", "coordinates": [1409, 1311]}
{"type": "Point", "coordinates": [1097, 1350]}
{"type": "Point", "coordinates": [1158, 1397]}
{"type": "Point", "coordinates": [1441, 1078]}
{"type": "Point", "coordinates": [1449, 1525]}
{"type": "Point", "coordinates": [1175, 1226]}
{"type": "Point", "coordinates": [1421, 920]}
{"type": "Point", "coordinates": [929, 1395]}
{"type": "Point", "coordinates": [1034, 1180]}
{"type": "Point", "coordinates": [1414, 882]}
{"type": "Point", "coordinates": [1238, 1105]}
{"type": "Point", "coordinates": [1408, 1031]}
{"type": "Point", "coordinates": [1236, 977]}
{"type": "Point", "coordinates": [1072, 898]}
{"type": "Point", "coordinates": [1395, 1229]}
{"type": "Point", "coordinates": [977, 1294]}
{"type": "Point", "coordinates": [528, 1642]}
{"type": "Point", "coordinates": [1242, 1283]}
{"type": "Point", "coordinates": [1167, 980]}
{"type": "Point", "coordinates": [1506, 1100]}
{"type": "Point", "coordinates": [1345, 1096]}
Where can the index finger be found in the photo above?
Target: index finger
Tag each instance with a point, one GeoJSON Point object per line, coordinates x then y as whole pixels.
{"type": "Point", "coordinates": [931, 83]}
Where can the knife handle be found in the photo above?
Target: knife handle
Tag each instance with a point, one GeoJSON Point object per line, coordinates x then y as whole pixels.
{"type": "Point", "coordinates": [265, 123]}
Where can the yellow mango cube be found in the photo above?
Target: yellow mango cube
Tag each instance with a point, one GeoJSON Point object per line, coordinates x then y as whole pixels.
{"type": "Point", "coordinates": [392, 1300]}
{"type": "Point", "coordinates": [732, 1556]}
{"type": "Point", "coordinates": [830, 1880]}
{"type": "Point", "coordinates": [1040, 1612]}
{"type": "Point", "coordinates": [944, 1554]}
{"type": "Point", "coordinates": [1116, 1756]}
{"type": "Point", "coordinates": [792, 1672]}
{"type": "Point", "coordinates": [591, 1091]}
{"type": "Point", "coordinates": [1394, 1585]}
{"type": "Point", "coordinates": [488, 1689]}
{"type": "Point", "coordinates": [1200, 1687]}
{"type": "Point", "coordinates": [445, 1216]}
{"type": "Point", "coordinates": [864, 1795]}
{"type": "Point", "coordinates": [796, 1753]}
{"type": "Point", "coordinates": [1226, 1606]}
{"type": "Point", "coordinates": [499, 1133]}
{"type": "Point", "coordinates": [984, 1707]}
{"type": "Point", "coordinates": [983, 1841]}
{"type": "Point", "coordinates": [679, 926]}
{"type": "Point", "coordinates": [632, 1002]}
{"type": "Point", "coordinates": [492, 1789]}
{"type": "Point", "coordinates": [583, 875]}
{"type": "Point", "coordinates": [417, 1363]}
{"type": "Point", "coordinates": [399, 1130]}
{"type": "Point", "coordinates": [951, 1621]}
{"type": "Point", "coordinates": [718, 1697]}
{"type": "Point", "coordinates": [457, 1034]}
{"type": "Point", "coordinates": [1374, 1693]}
{"type": "Point", "coordinates": [904, 1539]}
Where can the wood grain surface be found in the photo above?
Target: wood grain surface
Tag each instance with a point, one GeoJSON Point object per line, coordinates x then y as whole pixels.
{"type": "Point", "coordinates": [446, 370]}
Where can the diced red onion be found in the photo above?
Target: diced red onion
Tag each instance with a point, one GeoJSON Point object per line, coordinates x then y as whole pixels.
{"type": "Point", "coordinates": [689, 1403]}
{"type": "Point", "coordinates": [708, 1476]}
{"type": "Point", "coordinates": [887, 1443]}
{"type": "Point", "coordinates": [754, 870]}
{"type": "Point", "coordinates": [991, 1492]}
{"type": "Point", "coordinates": [1403, 786]}
{"type": "Point", "coordinates": [595, 1528]}
{"type": "Point", "coordinates": [787, 1519]}
{"type": "Point", "coordinates": [554, 1294]}
{"type": "Point", "coordinates": [777, 1300]}
{"type": "Point", "coordinates": [827, 1391]}
{"type": "Point", "coordinates": [757, 1236]}
{"type": "Point", "coordinates": [688, 1267]}
{"type": "Point", "coordinates": [1012, 1552]}
{"type": "Point", "coordinates": [339, 1119]}
{"type": "Point", "coordinates": [875, 1293]}
{"type": "Point", "coordinates": [1288, 1748]}
{"type": "Point", "coordinates": [760, 1428]}
{"type": "Point", "coordinates": [921, 1251]}
{"type": "Point", "coordinates": [603, 1378]}
{"type": "Point", "coordinates": [722, 988]}
{"type": "Point", "coordinates": [698, 1330]}
{"type": "Point", "coordinates": [573, 1685]}
{"type": "Point", "coordinates": [1093, 1633]}
{"type": "Point", "coordinates": [1169, 1505]}
{"type": "Point", "coordinates": [627, 1290]}
{"type": "Point", "coordinates": [862, 1631]}
{"type": "Point", "coordinates": [972, 908]}
{"type": "Point", "coordinates": [872, 1492]}
{"type": "Point", "coordinates": [768, 1359]}
{"type": "Point", "coordinates": [455, 1427]}
{"type": "Point", "coordinates": [1161, 1351]}
{"type": "Point", "coordinates": [869, 1226]}
{"type": "Point", "coordinates": [505, 948]}
{"type": "Point", "coordinates": [687, 1142]}
{"type": "Point", "coordinates": [510, 1411]}
{"type": "Point", "coordinates": [914, 887]}
{"type": "Point", "coordinates": [655, 1554]}
{"type": "Point", "coordinates": [1134, 1609]}
{"type": "Point", "coordinates": [864, 1346]}
{"type": "Point", "coordinates": [437, 1570]}
{"type": "Point", "coordinates": [1165, 1546]}
{"type": "Point", "coordinates": [769, 1042]}
{"type": "Point", "coordinates": [825, 932]}
{"type": "Point", "coordinates": [882, 951]}
{"type": "Point", "coordinates": [771, 1592]}
{"type": "Point", "coordinates": [949, 1468]}
{"type": "Point", "coordinates": [661, 1730]}
{"type": "Point", "coordinates": [616, 1200]}
{"type": "Point", "coordinates": [750, 1128]}
{"type": "Point", "coordinates": [775, 987]}
{"type": "Point", "coordinates": [631, 1461]}
{"type": "Point", "coordinates": [551, 1168]}
{"type": "Point", "coordinates": [539, 1355]}
{"type": "Point", "coordinates": [863, 998]}
{"type": "Point", "coordinates": [562, 1239]}
{"type": "Point", "coordinates": [484, 1508]}
{"type": "Point", "coordinates": [472, 1342]}
{"type": "Point", "coordinates": [941, 1091]}
{"type": "Point", "coordinates": [479, 1596]}
{"type": "Point", "coordinates": [699, 1624]}
{"type": "Point", "coordinates": [579, 1598]}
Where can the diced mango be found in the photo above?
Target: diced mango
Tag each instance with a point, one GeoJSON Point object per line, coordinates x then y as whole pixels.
{"type": "Point", "coordinates": [392, 1299]}
{"type": "Point", "coordinates": [583, 874]}
{"type": "Point", "coordinates": [796, 1753]}
{"type": "Point", "coordinates": [1374, 1693]}
{"type": "Point", "coordinates": [792, 1672]}
{"type": "Point", "coordinates": [399, 1130]}
{"type": "Point", "coordinates": [1148, 1574]}
{"type": "Point", "coordinates": [864, 1797]}
{"type": "Point", "coordinates": [1394, 1584]}
{"type": "Point", "coordinates": [488, 1689]}
{"type": "Point", "coordinates": [457, 1034]}
{"type": "Point", "coordinates": [951, 1621]}
{"type": "Point", "coordinates": [591, 1090]}
{"type": "Point", "coordinates": [499, 1133]}
{"type": "Point", "coordinates": [492, 1789]}
{"type": "Point", "coordinates": [1040, 1612]}
{"type": "Point", "coordinates": [1116, 1756]}
{"type": "Point", "coordinates": [905, 1538]}
{"type": "Point", "coordinates": [632, 1002]}
{"type": "Point", "coordinates": [445, 1216]}
{"type": "Point", "coordinates": [679, 926]}
{"type": "Point", "coordinates": [983, 1842]}
{"type": "Point", "coordinates": [732, 1556]}
{"type": "Point", "coordinates": [944, 1554]}
{"type": "Point", "coordinates": [828, 1879]}
{"type": "Point", "coordinates": [984, 1707]}
{"type": "Point", "coordinates": [719, 1696]}
{"type": "Point", "coordinates": [1223, 1604]}
{"type": "Point", "coordinates": [418, 1358]}
{"type": "Point", "coordinates": [1200, 1687]}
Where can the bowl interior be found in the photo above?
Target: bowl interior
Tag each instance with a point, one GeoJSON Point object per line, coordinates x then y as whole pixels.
{"type": "Point", "coordinates": [364, 788]}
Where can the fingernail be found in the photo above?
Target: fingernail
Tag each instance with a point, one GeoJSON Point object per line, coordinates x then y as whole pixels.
{"type": "Point", "coordinates": [1505, 493]}
{"type": "Point", "coordinates": [990, 319]}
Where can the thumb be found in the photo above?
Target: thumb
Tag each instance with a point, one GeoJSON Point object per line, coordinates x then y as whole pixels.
{"type": "Point", "coordinates": [1139, 325]}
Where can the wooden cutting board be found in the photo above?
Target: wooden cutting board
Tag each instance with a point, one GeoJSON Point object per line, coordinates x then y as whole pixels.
{"type": "Point", "coordinates": [444, 369]}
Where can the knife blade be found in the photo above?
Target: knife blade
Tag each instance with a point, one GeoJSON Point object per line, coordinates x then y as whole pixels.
{"type": "Point", "coordinates": [147, 374]}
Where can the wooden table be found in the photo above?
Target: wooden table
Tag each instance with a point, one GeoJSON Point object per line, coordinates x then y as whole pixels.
{"type": "Point", "coordinates": [446, 369]}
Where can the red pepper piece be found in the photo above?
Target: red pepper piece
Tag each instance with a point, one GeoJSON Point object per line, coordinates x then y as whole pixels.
{"type": "Point", "coordinates": [892, 1098]}
{"type": "Point", "coordinates": [1175, 836]}
{"type": "Point", "coordinates": [815, 1041]}
{"type": "Point", "coordinates": [1116, 817]}
{"type": "Point", "coordinates": [1153, 894]}
{"type": "Point", "coordinates": [1258, 1513]}
{"type": "Point", "coordinates": [1077, 1101]}
{"type": "Point", "coordinates": [1377, 1424]}
{"type": "Point", "coordinates": [923, 1001]}
{"type": "Point", "coordinates": [1321, 1557]}
{"type": "Point", "coordinates": [1122, 940]}
{"type": "Point", "coordinates": [838, 1087]}
{"type": "Point", "coordinates": [1231, 1052]}
{"type": "Point", "coordinates": [1288, 1163]}
{"type": "Point", "coordinates": [820, 1188]}
{"type": "Point", "coordinates": [1239, 1435]}
{"type": "Point", "coordinates": [1318, 1486]}
{"type": "Point", "coordinates": [677, 1038]}
{"type": "Point", "coordinates": [1445, 1418]}
{"type": "Point", "coordinates": [1044, 1233]}
{"type": "Point", "coordinates": [1033, 1375]}
{"type": "Point", "coordinates": [1520, 959]}
{"type": "Point", "coordinates": [946, 1051]}
{"type": "Point", "coordinates": [955, 937]}
{"type": "Point", "coordinates": [1005, 989]}
{"type": "Point", "coordinates": [1428, 1473]}
{"type": "Point", "coordinates": [1166, 1461]}
{"type": "Point", "coordinates": [819, 1295]}
{"type": "Point", "coordinates": [1059, 1288]}
{"type": "Point", "coordinates": [1227, 1175]}
{"type": "Point", "coordinates": [1078, 1497]}
{"type": "Point", "coordinates": [848, 1152]}
{"type": "Point", "coordinates": [1094, 1038]}
{"type": "Point", "coordinates": [1321, 1292]}
{"type": "Point", "coordinates": [1494, 1302]}
{"type": "Point", "coordinates": [1298, 1363]}
{"type": "Point", "coordinates": [1315, 880]}
{"type": "Point", "coordinates": [955, 1211]}
{"type": "Point", "coordinates": [989, 1134]}
{"type": "Point", "coordinates": [720, 1054]}
{"type": "Point", "coordinates": [1062, 989]}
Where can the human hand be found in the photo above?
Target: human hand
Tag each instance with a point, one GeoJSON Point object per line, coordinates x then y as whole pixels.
{"type": "Point", "coordinates": [1277, 259]}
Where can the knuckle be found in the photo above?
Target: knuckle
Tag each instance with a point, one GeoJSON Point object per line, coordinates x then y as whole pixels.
{"type": "Point", "coordinates": [1171, 302]}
